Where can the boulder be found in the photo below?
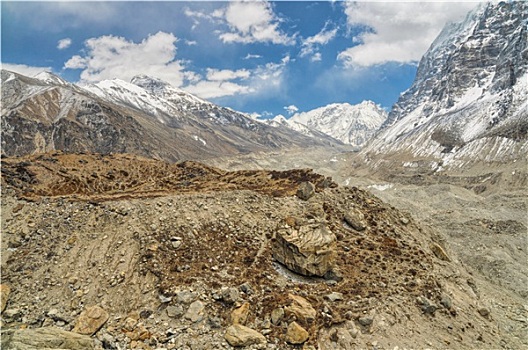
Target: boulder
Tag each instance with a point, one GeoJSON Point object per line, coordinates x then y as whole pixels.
{"type": "Point", "coordinates": [91, 320]}
{"type": "Point", "coordinates": [45, 338]}
{"type": "Point", "coordinates": [309, 250]}
{"type": "Point", "coordinates": [239, 335]}
{"type": "Point", "coordinates": [306, 190]}
{"type": "Point", "coordinates": [240, 314]}
{"type": "Point", "coordinates": [301, 309]}
{"type": "Point", "coordinates": [296, 334]}
{"type": "Point", "coordinates": [355, 219]}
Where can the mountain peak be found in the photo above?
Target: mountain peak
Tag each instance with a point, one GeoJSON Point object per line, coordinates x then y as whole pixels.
{"type": "Point", "coordinates": [148, 82]}
{"type": "Point", "coordinates": [50, 78]}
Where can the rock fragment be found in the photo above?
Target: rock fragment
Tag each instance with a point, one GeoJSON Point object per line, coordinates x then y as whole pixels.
{"type": "Point", "coordinates": [195, 312]}
{"type": "Point", "coordinates": [45, 338]}
{"type": "Point", "coordinates": [301, 309]}
{"type": "Point", "coordinates": [240, 314]}
{"type": "Point", "coordinates": [296, 334]}
{"type": "Point", "coordinates": [355, 219]}
{"type": "Point", "coordinates": [239, 335]}
{"type": "Point", "coordinates": [306, 190]}
{"type": "Point", "coordinates": [91, 320]}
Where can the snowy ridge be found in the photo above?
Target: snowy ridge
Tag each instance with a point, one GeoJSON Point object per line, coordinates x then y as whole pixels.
{"type": "Point", "coordinates": [351, 124]}
{"type": "Point", "coordinates": [469, 99]}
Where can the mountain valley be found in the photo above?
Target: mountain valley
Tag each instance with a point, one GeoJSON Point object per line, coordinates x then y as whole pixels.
{"type": "Point", "coordinates": [138, 216]}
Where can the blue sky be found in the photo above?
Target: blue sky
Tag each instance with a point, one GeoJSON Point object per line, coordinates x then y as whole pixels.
{"type": "Point", "coordinates": [259, 57]}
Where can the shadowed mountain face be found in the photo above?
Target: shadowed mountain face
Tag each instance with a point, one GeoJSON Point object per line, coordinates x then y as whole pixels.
{"type": "Point", "coordinates": [147, 117]}
{"type": "Point", "coordinates": [468, 102]}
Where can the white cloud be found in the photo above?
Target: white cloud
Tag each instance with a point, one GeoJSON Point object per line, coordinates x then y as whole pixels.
{"type": "Point", "coordinates": [26, 70]}
{"type": "Point", "coordinates": [310, 44]}
{"type": "Point", "coordinates": [251, 22]}
{"type": "Point", "coordinates": [263, 80]}
{"type": "Point", "coordinates": [291, 109]}
{"type": "Point", "coordinates": [216, 88]}
{"type": "Point", "coordinates": [400, 32]}
{"type": "Point", "coordinates": [226, 74]}
{"type": "Point", "coordinates": [190, 42]}
{"type": "Point", "coordinates": [250, 56]}
{"type": "Point", "coordinates": [109, 57]}
{"type": "Point", "coordinates": [316, 57]}
{"type": "Point", "coordinates": [64, 43]}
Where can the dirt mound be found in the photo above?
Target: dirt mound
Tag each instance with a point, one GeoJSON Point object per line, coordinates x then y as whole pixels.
{"type": "Point", "coordinates": [178, 258]}
{"type": "Point", "coordinates": [117, 176]}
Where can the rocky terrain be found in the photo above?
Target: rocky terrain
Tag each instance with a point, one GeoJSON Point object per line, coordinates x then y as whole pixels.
{"type": "Point", "coordinates": [186, 256]}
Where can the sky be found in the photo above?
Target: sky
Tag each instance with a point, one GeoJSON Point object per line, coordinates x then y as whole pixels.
{"type": "Point", "coordinates": [259, 57]}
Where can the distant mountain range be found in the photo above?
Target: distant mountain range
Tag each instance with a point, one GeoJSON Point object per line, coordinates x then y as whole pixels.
{"type": "Point", "coordinates": [469, 101]}
{"type": "Point", "coordinates": [147, 116]}
{"type": "Point", "coordinates": [350, 124]}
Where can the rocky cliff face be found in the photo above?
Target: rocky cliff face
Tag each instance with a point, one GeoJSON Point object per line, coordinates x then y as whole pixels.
{"type": "Point", "coordinates": [146, 117]}
{"type": "Point", "coordinates": [468, 102]}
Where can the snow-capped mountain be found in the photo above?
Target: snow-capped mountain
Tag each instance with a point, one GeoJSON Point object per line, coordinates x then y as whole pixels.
{"type": "Point", "coordinates": [350, 124]}
{"type": "Point", "coordinates": [280, 121]}
{"type": "Point", "coordinates": [468, 102]}
{"type": "Point", "coordinates": [146, 116]}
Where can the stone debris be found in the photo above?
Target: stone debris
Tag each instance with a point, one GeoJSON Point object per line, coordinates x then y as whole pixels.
{"type": "Point", "coordinates": [439, 252]}
{"type": "Point", "coordinates": [355, 219]}
{"type": "Point", "coordinates": [195, 312]}
{"type": "Point", "coordinates": [239, 335]}
{"type": "Point", "coordinates": [240, 314]}
{"type": "Point", "coordinates": [45, 338]}
{"type": "Point", "coordinates": [301, 309]}
{"type": "Point", "coordinates": [296, 334]}
{"type": "Point", "coordinates": [90, 320]}
{"type": "Point", "coordinates": [306, 190]}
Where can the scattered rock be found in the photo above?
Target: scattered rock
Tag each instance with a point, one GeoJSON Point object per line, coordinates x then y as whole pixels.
{"type": "Point", "coordinates": [334, 296]}
{"type": "Point", "coordinates": [301, 309]}
{"type": "Point", "coordinates": [45, 338]}
{"type": "Point", "coordinates": [12, 314]}
{"type": "Point", "coordinates": [309, 250]}
{"type": "Point", "coordinates": [90, 320]}
{"type": "Point", "coordinates": [174, 311]}
{"type": "Point", "coordinates": [246, 288]}
{"type": "Point", "coordinates": [185, 297]}
{"type": "Point", "coordinates": [296, 334]}
{"type": "Point", "coordinates": [195, 312]}
{"type": "Point", "coordinates": [355, 219]}
{"type": "Point", "coordinates": [306, 190]}
{"type": "Point", "coordinates": [239, 335]}
{"type": "Point", "coordinates": [439, 252]}
{"type": "Point", "coordinates": [230, 295]}
{"type": "Point", "coordinates": [4, 296]}
{"type": "Point", "coordinates": [446, 301]}
{"type": "Point", "coordinates": [277, 315]}
{"type": "Point", "coordinates": [365, 321]}
{"type": "Point", "coordinates": [240, 314]}
{"type": "Point", "coordinates": [483, 311]}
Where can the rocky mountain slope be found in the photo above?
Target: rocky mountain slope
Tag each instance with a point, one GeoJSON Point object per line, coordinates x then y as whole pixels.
{"type": "Point", "coordinates": [468, 103]}
{"type": "Point", "coordinates": [122, 252]}
{"type": "Point", "coordinates": [146, 117]}
{"type": "Point", "coordinates": [350, 124]}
